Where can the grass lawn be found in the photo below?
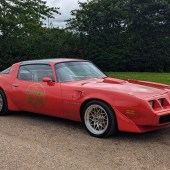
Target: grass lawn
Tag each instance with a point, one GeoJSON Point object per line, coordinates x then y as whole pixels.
{"type": "Point", "coordinates": [155, 77]}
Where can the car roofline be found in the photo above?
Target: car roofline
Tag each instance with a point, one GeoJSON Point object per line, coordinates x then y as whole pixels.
{"type": "Point", "coordinates": [50, 61]}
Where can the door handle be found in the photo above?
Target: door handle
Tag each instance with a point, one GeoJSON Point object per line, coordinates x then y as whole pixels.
{"type": "Point", "coordinates": [15, 85]}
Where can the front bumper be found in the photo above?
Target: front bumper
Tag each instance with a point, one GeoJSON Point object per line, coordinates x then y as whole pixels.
{"type": "Point", "coordinates": [159, 120]}
{"type": "Point", "coordinates": [162, 117]}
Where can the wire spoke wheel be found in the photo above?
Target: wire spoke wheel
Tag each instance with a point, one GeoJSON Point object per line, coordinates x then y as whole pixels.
{"type": "Point", "coordinates": [96, 119]}
{"type": "Point", "coordinates": [99, 119]}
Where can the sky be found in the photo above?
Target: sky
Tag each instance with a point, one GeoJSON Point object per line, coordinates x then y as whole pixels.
{"type": "Point", "coordinates": [65, 8]}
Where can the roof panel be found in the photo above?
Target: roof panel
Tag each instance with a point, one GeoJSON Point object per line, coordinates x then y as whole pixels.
{"type": "Point", "coordinates": [48, 61]}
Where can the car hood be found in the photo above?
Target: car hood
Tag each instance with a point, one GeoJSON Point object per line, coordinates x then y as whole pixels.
{"type": "Point", "coordinates": [122, 86]}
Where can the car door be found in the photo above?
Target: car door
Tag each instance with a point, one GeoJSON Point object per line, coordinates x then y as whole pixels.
{"type": "Point", "coordinates": [31, 94]}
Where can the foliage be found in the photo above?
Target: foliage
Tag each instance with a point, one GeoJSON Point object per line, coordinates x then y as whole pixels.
{"type": "Point", "coordinates": [118, 35]}
{"type": "Point", "coordinates": [126, 35]}
{"type": "Point", "coordinates": [48, 43]}
{"type": "Point", "coordinates": [20, 22]}
{"type": "Point", "coordinates": [22, 17]}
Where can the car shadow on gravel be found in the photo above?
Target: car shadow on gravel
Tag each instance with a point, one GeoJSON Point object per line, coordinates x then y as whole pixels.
{"type": "Point", "coordinates": [161, 136]}
{"type": "Point", "coordinates": [144, 136]}
{"type": "Point", "coordinates": [39, 118]}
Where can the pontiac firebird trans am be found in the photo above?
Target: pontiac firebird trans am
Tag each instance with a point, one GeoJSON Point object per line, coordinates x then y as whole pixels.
{"type": "Point", "coordinates": [76, 89]}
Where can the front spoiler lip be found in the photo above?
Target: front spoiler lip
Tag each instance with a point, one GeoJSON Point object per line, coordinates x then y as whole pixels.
{"type": "Point", "coordinates": [127, 125]}
{"type": "Point", "coordinates": [143, 129]}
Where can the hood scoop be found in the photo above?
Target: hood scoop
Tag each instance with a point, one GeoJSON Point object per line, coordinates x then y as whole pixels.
{"type": "Point", "coordinates": [106, 80]}
{"type": "Point", "coordinates": [95, 80]}
{"type": "Point", "coordinates": [113, 81]}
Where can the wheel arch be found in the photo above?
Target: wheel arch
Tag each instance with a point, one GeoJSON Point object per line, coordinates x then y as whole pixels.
{"type": "Point", "coordinates": [2, 89]}
{"type": "Point", "coordinates": [10, 103]}
{"type": "Point", "coordinates": [93, 99]}
{"type": "Point", "coordinates": [4, 93]}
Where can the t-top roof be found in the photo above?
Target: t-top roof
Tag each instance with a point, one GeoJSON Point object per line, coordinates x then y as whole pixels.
{"type": "Point", "coordinates": [48, 61]}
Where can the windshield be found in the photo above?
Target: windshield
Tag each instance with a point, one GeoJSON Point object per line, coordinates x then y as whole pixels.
{"type": "Point", "coordinates": [74, 71]}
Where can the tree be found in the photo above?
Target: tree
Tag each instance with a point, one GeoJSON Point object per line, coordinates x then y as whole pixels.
{"type": "Point", "coordinates": [126, 35]}
{"type": "Point", "coordinates": [52, 43]}
{"type": "Point", "coordinates": [149, 30]}
{"type": "Point", "coordinates": [100, 25]}
{"type": "Point", "coordinates": [20, 21]}
{"type": "Point", "coordinates": [18, 17]}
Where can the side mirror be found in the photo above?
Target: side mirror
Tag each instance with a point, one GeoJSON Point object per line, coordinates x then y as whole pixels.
{"type": "Point", "coordinates": [48, 81]}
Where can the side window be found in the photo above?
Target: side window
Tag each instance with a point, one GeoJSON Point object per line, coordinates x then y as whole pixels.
{"type": "Point", "coordinates": [35, 72]}
{"type": "Point", "coordinates": [25, 74]}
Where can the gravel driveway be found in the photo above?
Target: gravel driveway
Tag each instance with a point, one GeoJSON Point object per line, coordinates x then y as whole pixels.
{"type": "Point", "coordinates": [36, 142]}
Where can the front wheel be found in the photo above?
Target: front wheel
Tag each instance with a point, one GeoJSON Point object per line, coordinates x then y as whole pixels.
{"type": "Point", "coordinates": [3, 103]}
{"type": "Point", "coordinates": [99, 119]}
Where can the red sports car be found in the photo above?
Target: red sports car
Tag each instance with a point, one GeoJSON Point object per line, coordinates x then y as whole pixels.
{"type": "Point", "coordinates": [77, 90]}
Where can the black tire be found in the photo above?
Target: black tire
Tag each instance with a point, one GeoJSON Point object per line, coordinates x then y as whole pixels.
{"type": "Point", "coordinates": [111, 126]}
{"type": "Point", "coordinates": [4, 109]}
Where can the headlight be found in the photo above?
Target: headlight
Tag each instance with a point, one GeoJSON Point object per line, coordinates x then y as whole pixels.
{"type": "Point", "coordinates": [151, 103]}
{"type": "Point", "coordinates": [161, 101]}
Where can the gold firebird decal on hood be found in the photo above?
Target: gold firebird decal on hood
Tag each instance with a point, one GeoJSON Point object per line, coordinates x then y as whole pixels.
{"type": "Point", "coordinates": [36, 95]}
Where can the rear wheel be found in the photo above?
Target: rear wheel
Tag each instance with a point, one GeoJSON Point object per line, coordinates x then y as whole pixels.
{"type": "Point", "coordinates": [99, 119]}
{"type": "Point", "coordinates": [3, 103]}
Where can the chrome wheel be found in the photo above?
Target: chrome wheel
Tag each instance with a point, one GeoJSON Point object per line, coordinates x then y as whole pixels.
{"type": "Point", "coordinates": [96, 119]}
{"type": "Point", "coordinates": [1, 103]}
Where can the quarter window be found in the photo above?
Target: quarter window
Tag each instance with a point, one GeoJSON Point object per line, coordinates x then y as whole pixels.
{"type": "Point", "coordinates": [6, 71]}
{"type": "Point", "coordinates": [35, 72]}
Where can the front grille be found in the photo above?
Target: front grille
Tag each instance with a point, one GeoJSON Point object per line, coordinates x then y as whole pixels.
{"type": "Point", "coordinates": [164, 119]}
